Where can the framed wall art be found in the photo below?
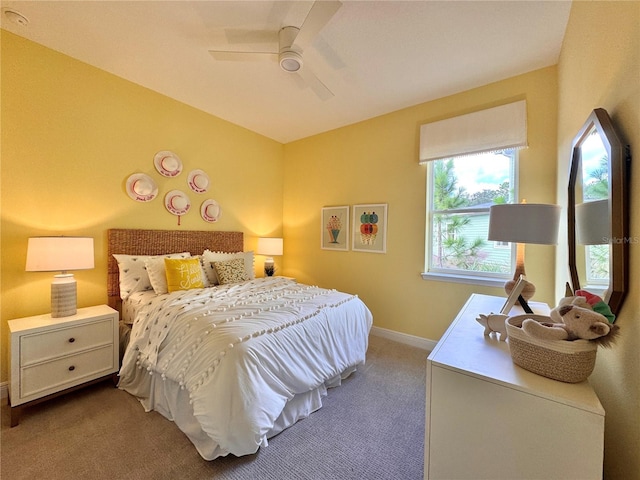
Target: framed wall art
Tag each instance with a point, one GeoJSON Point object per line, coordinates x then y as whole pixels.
{"type": "Point", "coordinates": [370, 228]}
{"type": "Point", "coordinates": [334, 228]}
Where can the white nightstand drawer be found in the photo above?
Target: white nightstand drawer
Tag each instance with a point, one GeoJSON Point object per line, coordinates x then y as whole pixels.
{"type": "Point", "coordinates": [66, 371]}
{"type": "Point", "coordinates": [42, 346]}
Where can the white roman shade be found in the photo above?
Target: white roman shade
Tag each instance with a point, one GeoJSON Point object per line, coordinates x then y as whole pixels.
{"type": "Point", "coordinates": [488, 130]}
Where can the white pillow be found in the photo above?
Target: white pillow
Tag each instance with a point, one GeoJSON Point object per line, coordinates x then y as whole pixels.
{"type": "Point", "coordinates": [133, 272]}
{"type": "Point", "coordinates": [158, 274]}
{"type": "Point", "coordinates": [209, 258]}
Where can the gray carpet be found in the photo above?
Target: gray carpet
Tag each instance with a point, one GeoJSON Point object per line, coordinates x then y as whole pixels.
{"type": "Point", "coordinates": [371, 427]}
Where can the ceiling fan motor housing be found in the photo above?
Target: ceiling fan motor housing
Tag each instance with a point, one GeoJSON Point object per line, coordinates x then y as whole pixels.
{"type": "Point", "coordinates": [290, 60]}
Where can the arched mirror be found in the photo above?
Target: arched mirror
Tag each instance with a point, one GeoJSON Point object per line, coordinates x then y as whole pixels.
{"type": "Point", "coordinates": [598, 211]}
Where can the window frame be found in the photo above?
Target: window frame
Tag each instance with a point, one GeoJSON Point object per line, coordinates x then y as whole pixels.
{"type": "Point", "coordinates": [464, 276]}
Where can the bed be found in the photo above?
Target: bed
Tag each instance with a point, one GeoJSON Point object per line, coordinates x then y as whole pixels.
{"type": "Point", "coordinates": [235, 363]}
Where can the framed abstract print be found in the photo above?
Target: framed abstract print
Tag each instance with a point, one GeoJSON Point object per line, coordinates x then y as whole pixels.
{"type": "Point", "coordinates": [334, 228]}
{"type": "Point", "coordinates": [370, 228]}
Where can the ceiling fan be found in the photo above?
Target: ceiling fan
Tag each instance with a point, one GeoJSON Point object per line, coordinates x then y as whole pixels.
{"type": "Point", "coordinates": [291, 42]}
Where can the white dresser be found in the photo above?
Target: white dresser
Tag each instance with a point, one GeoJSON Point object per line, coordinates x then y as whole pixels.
{"type": "Point", "coordinates": [487, 418]}
{"type": "Point", "coordinates": [52, 355]}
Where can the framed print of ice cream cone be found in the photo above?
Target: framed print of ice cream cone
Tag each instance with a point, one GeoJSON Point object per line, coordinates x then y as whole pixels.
{"type": "Point", "coordinates": [370, 228]}
{"type": "Point", "coordinates": [335, 228]}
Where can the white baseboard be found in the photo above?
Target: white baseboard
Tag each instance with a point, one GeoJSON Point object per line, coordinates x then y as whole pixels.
{"type": "Point", "coordinates": [418, 342]}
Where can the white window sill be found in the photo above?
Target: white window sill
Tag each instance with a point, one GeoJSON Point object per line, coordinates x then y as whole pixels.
{"type": "Point", "coordinates": [468, 279]}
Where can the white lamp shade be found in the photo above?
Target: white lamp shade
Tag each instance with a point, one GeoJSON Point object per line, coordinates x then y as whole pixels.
{"type": "Point", "coordinates": [592, 222]}
{"type": "Point", "coordinates": [59, 254]}
{"type": "Point", "coordinates": [269, 246]}
{"type": "Point", "coordinates": [524, 223]}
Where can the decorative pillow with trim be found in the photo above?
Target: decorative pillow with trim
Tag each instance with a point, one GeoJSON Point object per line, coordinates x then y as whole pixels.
{"type": "Point", "coordinates": [231, 271]}
{"type": "Point", "coordinates": [183, 274]}
{"type": "Point", "coordinates": [133, 271]}
{"type": "Point", "coordinates": [209, 258]}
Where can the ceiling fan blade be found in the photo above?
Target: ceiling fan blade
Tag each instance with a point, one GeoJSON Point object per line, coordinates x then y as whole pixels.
{"type": "Point", "coordinates": [319, 15]}
{"type": "Point", "coordinates": [240, 36]}
{"type": "Point", "coordinates": [329, 54]}
{"type": "Point", "coordinates": [235, 56]}
{"type": "Point", "coordinates": [278, 12]}
{"type": "Point", "coordinates": [319, 88]}
{"type": "Point", "coordinates": [298, 80]}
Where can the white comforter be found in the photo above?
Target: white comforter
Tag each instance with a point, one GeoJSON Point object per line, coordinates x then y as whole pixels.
{"type": "Point", "coordinates": [242, 353]}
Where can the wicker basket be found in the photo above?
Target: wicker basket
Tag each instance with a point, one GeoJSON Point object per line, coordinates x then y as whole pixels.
{"type": "Point", "coordinates": [566, 361]}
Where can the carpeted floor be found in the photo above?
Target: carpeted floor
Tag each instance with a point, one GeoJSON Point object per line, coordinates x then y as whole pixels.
{"type": "Point", "coordinates": [371, 427]}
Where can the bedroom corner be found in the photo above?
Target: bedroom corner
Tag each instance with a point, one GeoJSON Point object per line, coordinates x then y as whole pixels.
{"type": "Point", "coordinates": [72, 134]}
{"type": "Point", "coordinates": [376, 161]}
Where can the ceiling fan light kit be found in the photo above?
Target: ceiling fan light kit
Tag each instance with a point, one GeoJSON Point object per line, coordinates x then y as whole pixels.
{"type": "Point", "coordinates": [290, 61]}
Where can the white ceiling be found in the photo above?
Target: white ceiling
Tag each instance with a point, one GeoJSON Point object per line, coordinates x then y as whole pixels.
{"type": "Point", "coordinates": [375, 56]}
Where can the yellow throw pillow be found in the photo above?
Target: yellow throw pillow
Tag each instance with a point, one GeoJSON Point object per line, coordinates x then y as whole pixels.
{"type": "Point", "coordinates": [231, 271]}
{"type": "Point", "coordinates": [183, 274]}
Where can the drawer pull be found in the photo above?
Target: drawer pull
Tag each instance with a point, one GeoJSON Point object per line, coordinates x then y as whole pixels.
{"type": "Point", "coordinates": [72, 368]}
{"type": "Point", "coordinates": [71, 340]}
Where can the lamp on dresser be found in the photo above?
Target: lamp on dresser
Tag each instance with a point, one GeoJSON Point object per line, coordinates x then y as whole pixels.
{"type": "Point", "coordinates": [592, 227]}
{"type": "Point", "coordinates": [61, 254]}
{"type": "Point", "coordinates": [269, 247]}
{"type": "Point", "coordinates": [523, 223]}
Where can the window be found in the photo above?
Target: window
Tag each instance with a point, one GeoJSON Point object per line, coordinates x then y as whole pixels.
{"type": "Point", "coordinates": [471, 165]}
{"type": "Point", "coordinates": [460, 191]}
{"type": "Point", "coordinates": [595, 198]}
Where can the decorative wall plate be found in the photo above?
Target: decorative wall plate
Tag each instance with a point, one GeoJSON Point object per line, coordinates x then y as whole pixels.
{"type": "Point", "coordinates": [177, 202]}
{"type": "Point", "coordinates": [167, 163]}
{"type": "Point", "coordinates": [141, 187]}
{"type": "Point", "coordinates": [198, 181]}
{"type": "Point", "coordinates": [210, 211]}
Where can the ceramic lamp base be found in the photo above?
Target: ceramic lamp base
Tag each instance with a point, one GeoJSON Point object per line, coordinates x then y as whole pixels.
{"type": "Point", "coordinates": [63, 296]}
{"type": "Point", "coordinates": [529, 289]}
{"type": "Point", "coordinates": [269, 267]}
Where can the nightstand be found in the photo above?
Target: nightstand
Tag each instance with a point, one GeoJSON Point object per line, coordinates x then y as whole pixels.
{"type": "Point", "coordinates": [52, 356]}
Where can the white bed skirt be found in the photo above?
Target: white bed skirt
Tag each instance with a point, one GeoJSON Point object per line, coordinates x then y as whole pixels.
{"type": "Point", "coordinates": [172, 402]}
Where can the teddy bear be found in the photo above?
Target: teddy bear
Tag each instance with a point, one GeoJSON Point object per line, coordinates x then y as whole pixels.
{"type": "Point", "coordinates": [577, 301]}
{"type": "Point", "coordinates": [582, 298]}
{"type": "Point", "coordinates": [577, 322]}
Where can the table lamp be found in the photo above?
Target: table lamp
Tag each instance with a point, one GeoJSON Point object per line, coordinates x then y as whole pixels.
{"type": "Point", "coordinates": [269, 247]}
{"type": "Point", "coordinates": [61, 254]}
{"type": "Point", "coordinates": [523, 223]}
{"type": "Point", "coordinates": [592, 222]}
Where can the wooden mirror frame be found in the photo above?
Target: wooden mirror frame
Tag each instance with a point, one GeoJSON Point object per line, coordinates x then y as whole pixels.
{"type": "Point", "coordinates": [619, 160]}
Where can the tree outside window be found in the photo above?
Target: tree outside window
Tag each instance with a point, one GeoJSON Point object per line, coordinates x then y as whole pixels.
{"type": "Point", "coordinates": [462, 189]}
{"type": "Point", "coordinates": [595, 174]}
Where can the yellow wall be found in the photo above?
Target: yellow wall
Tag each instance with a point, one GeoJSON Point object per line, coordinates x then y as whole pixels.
{"type": "Point", "coordinates": [600, 67]}
{"type": "Point", "coordinates": [72, 134]}
{"type": "Point", "coordinates": [376, 161]}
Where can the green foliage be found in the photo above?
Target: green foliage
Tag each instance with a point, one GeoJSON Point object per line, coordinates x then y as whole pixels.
{"type": "Point", "coordinates": [598, 262]}
{"type": "Point", "coordinates": [446, 193]}
{"type": "Point", "coordinates": [598, 189]}
{"type": "Point", "coordinates": [450, 249]}
{"type": "Point", "coordinates": [461, 253]}
{"type": "Point", "coordinates": [497, 197]}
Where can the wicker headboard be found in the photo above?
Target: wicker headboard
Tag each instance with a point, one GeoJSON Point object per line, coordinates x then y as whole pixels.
{"type": "Point", "coordinates": [157, 242]}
